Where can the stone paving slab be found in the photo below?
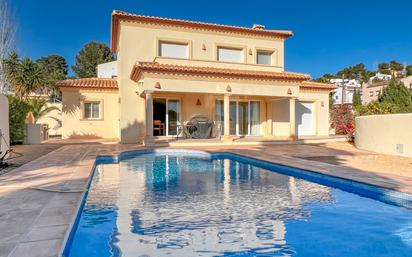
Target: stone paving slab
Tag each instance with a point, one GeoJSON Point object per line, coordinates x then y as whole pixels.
{"type": "Point", "coordinates": [35, 217]}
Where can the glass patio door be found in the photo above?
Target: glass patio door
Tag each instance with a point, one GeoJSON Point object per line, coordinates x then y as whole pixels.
{"type": "Point", "coordinates": [254, 118]}
{"type": "Point", "coordinates": [243, 118]}
{"type": "Point", "coordinates": [172, 116]}
{"type": "Point", "coordinates": [166, 116]}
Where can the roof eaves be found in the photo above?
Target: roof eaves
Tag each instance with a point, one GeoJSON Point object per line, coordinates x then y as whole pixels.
{"type": "Point", "coordinates": [120, 15]}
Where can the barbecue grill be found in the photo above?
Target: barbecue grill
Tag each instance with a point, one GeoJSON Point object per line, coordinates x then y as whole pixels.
{"type": "Point", "coordinates": [199, 127]}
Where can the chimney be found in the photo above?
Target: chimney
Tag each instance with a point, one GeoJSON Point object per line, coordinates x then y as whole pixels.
{"type": "Point", "coordinates": [258, 27]}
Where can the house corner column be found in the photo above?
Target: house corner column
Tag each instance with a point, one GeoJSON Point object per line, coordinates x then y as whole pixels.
{"type": "Point", "coordinates": [292, 118]}
{"type": "Point", "coordinates": [226, 116]}
{"type": "Point", "coordinates": [149, 116]}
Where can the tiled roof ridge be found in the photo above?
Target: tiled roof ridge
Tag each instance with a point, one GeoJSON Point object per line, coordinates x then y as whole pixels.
{"type": "Point", "coordinates": [154, 66]}
{"type": "Point", "coordinates": [121, 15]}
{"type": "Point", "coordinates": [317, 85]}
{"type": "Point", "coordinates": [105, 83]}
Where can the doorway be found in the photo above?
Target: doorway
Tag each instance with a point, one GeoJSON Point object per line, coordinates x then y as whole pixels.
{"type": "Point", "coordinates": [244, 118]}
{"type": "Point", "coordinates": [166, 116]}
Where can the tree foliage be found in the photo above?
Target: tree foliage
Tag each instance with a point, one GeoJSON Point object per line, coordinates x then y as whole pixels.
{"type": "Point", "coordinates": [356, 99]}
{"type": "Point", "coordinates": [395, 66]}
{"type": "Point", "coordinates": [409, 70]}
{"type": "Point", "coordinates": [342, 120]}
{"type": "Point", "coordinates": [38, 107]}
{"type": "Point", "coordinates": [56, 68]}
{"type": "Point", "coordinates": [7, 32]}
{"type": "Point", "coordinates": [357, 71]}
{"type": "Point", "coordinates": [374, 108]}
{"type": "Point", "coordinates": [397, 95]}
{"type": "Point", "coordinates": [18, 110]}
{"type": "Point", "coordinates": [325, 78]}
{"type": "Point", "coordinates": [24, 75]}
{"type": "Point", "coordinates": [384, 68]}
{"type": "Point", "coordinates": [89, 57]}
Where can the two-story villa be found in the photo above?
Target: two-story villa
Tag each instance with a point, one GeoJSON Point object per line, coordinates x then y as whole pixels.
{"type": "Point", "coordinates": [169, 71]}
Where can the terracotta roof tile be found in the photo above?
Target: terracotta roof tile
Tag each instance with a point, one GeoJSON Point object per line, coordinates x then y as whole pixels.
{"type": "Point", "coordinates": [89, 83]}
{"type": "Point", "coordinates": [317, 85]}
{"type": "Point", "coordinates": [379, 84]}
{"type": "Point", "coordinates": [124, 16]}
{"type": "Point", "coordinates": [215, 72]}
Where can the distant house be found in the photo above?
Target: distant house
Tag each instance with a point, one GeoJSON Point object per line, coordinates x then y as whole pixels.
{"type": "Point", "coordinates": [350, 86]}
{"type": "Point", "coordinates": [169, 72]}
{"type": "Point", "coordinates": [371, 91]}
{"type": "Point", "coordinates": [380, 77]}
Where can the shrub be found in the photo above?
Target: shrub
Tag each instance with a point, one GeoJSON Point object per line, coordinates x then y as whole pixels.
{"type": "Point", "coordinates": [342, 120]}
{"type": "Point", "coordinates": [397, 95]}
{"type": "Point", "coordinates": [18, 110]}
{"type": "Point", "coordinates": [375, 108]}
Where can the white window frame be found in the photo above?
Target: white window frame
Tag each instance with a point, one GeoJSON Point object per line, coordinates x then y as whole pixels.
{"type": "Point", "coordinates": [236, 48]}
{"type": "Point", "coordinates": [171, 42]}
{"type": "Point", "coordinates": [92, 102]}
{"type": "Point", "coordinates": [271, 53]}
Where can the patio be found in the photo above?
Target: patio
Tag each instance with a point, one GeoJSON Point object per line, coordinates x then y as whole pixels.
{"type": "Point", "coordinates": [40, 198]}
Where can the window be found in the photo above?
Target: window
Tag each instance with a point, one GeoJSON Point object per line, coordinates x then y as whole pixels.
{"type": "Point", "coordinates": [264, 57]}
{"type": "Point", "coordinates": [174, 50]}
{"type": "Point", "coordinates": [371, 93]}
{"type": "Point", "coordinates": [229, 54]}
{"type": "Point", "coordinates": [92, 110]}
{"type": "Point", "coordinates": [378, 92]}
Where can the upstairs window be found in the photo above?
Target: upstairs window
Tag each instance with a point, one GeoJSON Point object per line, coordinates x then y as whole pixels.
{"type": "Point", "coordinates": [264, 57]}
{"type": "Point", "coordinates": [92, 110]}
{"type": "Point", "coordinates": [174, 50]}
{"type": "Point", "coordinates": [229, 54]}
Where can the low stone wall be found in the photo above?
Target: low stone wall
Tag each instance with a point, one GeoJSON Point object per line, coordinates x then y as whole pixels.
{"type": "Point", "coordinates": [387, 134]}
{"type": "Point", "coordinates": [4, 123]}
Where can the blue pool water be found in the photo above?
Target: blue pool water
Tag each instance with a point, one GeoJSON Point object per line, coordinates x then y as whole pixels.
{"type": "Point", "coordinates": [179, 204]}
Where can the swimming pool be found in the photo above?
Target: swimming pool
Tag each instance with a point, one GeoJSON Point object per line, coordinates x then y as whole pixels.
{"type": "Point", "coordinates": [189, 203]}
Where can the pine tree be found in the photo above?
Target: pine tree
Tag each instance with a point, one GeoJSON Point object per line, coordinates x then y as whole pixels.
{"type": "Point", "coordinates": [356, 99]}
{"type": "Point", "coordinates": [89, 57]}
{"type": "Point", "coordinates": [397, 95]}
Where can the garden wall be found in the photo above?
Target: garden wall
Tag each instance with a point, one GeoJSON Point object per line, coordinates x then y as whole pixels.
{"type": "Point", "coordinates": [387, 134]}
{"type": "Point", "coordinates": [4, 122]}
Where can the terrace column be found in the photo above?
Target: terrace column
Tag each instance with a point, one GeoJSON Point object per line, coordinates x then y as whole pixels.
{"type": "Point", "coordinates": [149, 115]}
{"type": "Point", "coordinates": [292, 118]}
{"type": "Point", "coordinates": [226, 117]}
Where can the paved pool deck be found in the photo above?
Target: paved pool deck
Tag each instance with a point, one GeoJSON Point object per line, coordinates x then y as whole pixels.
{"type": "Point", "coordinates": [38, 200]}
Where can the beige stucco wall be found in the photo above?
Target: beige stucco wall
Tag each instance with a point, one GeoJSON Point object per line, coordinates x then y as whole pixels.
{"type": "Point", "coordinates": [139, 42]}
{"type": "Point", "coordinates": [4, 122]}
{"type": "Point", "coordinates": [382, 133]}
{"type": "Point", "coordinates": [320, 98]}
{"type": "Point", "coordinates": [281, 121]}
{"type": "Point", "coordinates": [53, 119]}
{"type": "Point", "coordinates": [75, 126]}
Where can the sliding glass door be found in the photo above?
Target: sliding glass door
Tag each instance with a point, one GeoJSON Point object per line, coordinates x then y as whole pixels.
{"type": "Point", "coordinates": [166, 116]}
{"type": "Point", "coordinates": [244, 117]}
{"type": "Point", "coordinates": [173, 113]}
{"type": "Point", "coordinates": [254, 111]}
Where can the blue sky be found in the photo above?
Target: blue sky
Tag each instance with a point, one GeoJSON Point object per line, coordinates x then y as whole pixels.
{"type": "Point", "coordinates": [328, 34]}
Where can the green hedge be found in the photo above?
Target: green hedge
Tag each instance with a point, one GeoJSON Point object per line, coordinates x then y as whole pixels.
{"type": "Point", "coordinates": [18, 110]}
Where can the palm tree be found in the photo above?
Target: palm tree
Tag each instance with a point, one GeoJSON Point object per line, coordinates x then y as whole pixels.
{"type": "Point", "coordinates": [25, 75]}
{"type": "Point", "coordinates": [38, 107]}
